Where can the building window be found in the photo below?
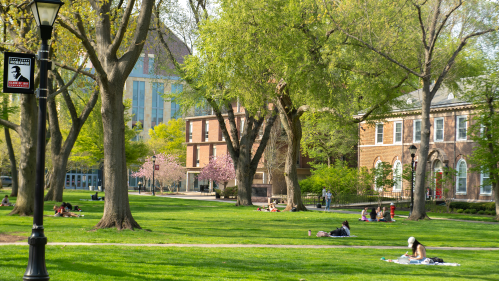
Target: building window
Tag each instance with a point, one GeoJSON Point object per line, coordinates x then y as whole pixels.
{"type": "Point", "coordinates": [139, 66]}
{"type": "Point", "coordinates": [397, 176]}
{"type": "Point", "coordinates": [197, 156]}
{"type": "Point", "coordinates": [190, 132]}
{"type": "Point", "coordinates": [485, 184]}
{"type": "Point", "coordinates": [379, 133]}
{"type": "Point", "coordinates": [139, 88]}
{"type": "Point", "coordinates": [417, 131]}
{"type": "Point", "coordinates": [241, 130]}
{"type": "Point", "coordinates": [439, 129]}
{"type": "Point", "coordinates": [157, 104]}
{"type": "Point", "coordinates": [214, 150]}
{"type": "Point", "coordinates": [375, 177]}
{"type": "Point", "coordinates": [462, 174]}
{"type": "Point", "coordinates": [175, 107]}
{"type": "Point", "coordinates": [206, 129]}
{"type": "Point", "coordinates": [150, 64]}
{"type": "Point", "coordinates": [461, 128]}
{"type": "Point", "coordinates": [397, 132]}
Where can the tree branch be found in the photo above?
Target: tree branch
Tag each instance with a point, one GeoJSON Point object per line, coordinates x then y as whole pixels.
{"type": "Point", "coordinates": [122, 29]}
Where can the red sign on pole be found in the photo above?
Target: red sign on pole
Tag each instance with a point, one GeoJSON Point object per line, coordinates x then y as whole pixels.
{"type": "Point", "coordinates": [156, 167]}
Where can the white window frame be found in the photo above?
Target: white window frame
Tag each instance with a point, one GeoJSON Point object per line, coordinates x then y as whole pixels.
{"type": "Point", "coordinates": [214, 151]}
{"type": "Point", "coordinates": [197, 156]}
{"type": "Point", "coordinates": [206, 130]}
{"type": "Point", "coordinates": [399, 180]}
{"type": "Point", "coordinates": [190, 132]}
{"type": "Point", "coordinates": [395, 131]}
{"type": "Point", "coordinates": [376, 133]}
{"type": "Point", "coordinates": [435, 129]}
{"type": "Point", "coordinates": [458, 122]}
{"type": "Point", "coordinates": [414, 130]}
{"type": "Point", "coordinates": [482, 193]}
{"type": "Point", "coordinates": [458, 176]}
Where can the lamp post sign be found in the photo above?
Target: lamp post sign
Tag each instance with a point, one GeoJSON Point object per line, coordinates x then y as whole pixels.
{"type": "Point", "coordinates": [18, 73]}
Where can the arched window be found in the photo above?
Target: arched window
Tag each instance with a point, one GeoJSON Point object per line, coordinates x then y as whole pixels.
{"type": "Point", "coordinates": [462, 175]}
{"type": "Point", "coordinates": [397, 176]}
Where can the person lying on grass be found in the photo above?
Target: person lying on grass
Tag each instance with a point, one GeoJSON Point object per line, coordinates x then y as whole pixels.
{"type": "Point", "coordinates": [60, 212]}
{"type": "Point", "coordinates": [343, 231]}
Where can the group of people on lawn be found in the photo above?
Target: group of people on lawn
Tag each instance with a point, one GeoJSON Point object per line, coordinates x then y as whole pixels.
{"type": "Point", "coordinates": [378, 214]}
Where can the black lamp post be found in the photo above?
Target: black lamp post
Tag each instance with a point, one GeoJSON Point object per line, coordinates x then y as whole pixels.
{"type": "Point", "coordinates": [153, 168]}
{"type": "Point", "coordinates": [45, 13]}
{"type": "Point", "coordinates": [412, 150]}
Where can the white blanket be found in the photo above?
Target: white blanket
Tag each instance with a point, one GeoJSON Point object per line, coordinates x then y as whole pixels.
{"type": "Point", "coordinates": [343, 236]}
{"type": "Point", "coordinates": [436, 263]}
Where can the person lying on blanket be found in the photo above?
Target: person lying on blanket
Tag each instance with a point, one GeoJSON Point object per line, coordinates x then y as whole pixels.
{"type": "Point", "coordinates": [343, 231]}
{"type": "Point", "coordinates": [418, 251]}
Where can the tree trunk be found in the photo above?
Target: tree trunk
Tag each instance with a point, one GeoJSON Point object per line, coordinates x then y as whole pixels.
{"type": "Point", "coordinates": [244, 175]}
{"type": "Point", "coordinates": [25, 202]}
{"type": "Point", "coordinates": [495, 187]}
{"type": "Point", "coordinates": [13, 165]}
{"type": "Point", "coordinates": [60, 153]}
{"type": "Point", "coordinates": [418, 211]}
{"type": "Point", "coordinates": [116, 208]}
{"type": "Point", "coordinates": [290, 118]}
{"type": "Point", "coordinates": [57, 178]}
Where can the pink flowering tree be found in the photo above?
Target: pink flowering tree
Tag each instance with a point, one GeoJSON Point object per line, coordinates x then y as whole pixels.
{"type": "Point", "coordinates": [170, 170]}
{"type": "Point", "coordinates": [220, 169]}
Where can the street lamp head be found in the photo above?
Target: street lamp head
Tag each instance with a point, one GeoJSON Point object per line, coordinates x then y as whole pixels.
{"type": "Point", "coordinates": [154, 158]}
{"type": "Point", "coordinates": [412, 150]}
{"type": "Point", "coordinates": [45, 13]}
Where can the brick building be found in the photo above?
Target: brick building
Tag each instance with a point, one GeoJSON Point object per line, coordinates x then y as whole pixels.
{"type": "Point", "coordinates": [450, 146]}
{"type": "Point", "coordinates": [204, 139]}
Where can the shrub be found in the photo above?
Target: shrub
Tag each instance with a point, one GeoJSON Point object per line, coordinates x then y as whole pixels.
{"type": "Point", "coordinates": [472, 211]}
{"type": "Point", "coordinates": [467, 211]}
{"type": "Point", "coordinates": [230, 191]}
{"type": "Point", "coordinates": [459, 211]}
{"type": "Point", "coordinates": [481, 212]}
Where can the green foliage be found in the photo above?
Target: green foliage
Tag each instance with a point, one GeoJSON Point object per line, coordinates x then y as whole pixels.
{"type": "Point", "coordinates": [481, 212]}
{"type": "Point", "coordinates": [89, 147]}
{"type": "Point", "coordinates": [469, 205]}
{"type": "Point", "coordinates": [325, 137]}
{"type": "Point", "coordinates": [339, 179]}
{"type": "Point", "coordinates": [460, 211]}
{"type": "Point", "coordinates": [169, 139]}
{"type": "Point", "coordinates": [230, 191]}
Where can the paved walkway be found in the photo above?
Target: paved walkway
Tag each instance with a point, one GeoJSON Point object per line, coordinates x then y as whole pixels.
{"type": "Point", "coordinates": [199, 196]}
{"type": "Point", "coordinates": [251, 246]}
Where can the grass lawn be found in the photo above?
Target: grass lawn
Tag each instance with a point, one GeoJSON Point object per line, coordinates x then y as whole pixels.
{"type": "Point", "coordinates": [167, 220]}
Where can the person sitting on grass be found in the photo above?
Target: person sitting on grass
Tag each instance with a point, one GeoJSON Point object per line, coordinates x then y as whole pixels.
{"type": "Point", "coordinates": [373, 215]}
{"type": "Point", "coordinates": [60, 212]}
{"type": "Point", "coordinates": [5, 201]}
{"type": "Point", "coordinates": [343, 231]}
{"type": "Point", "coordinates": [418, 251]}
{"type": "Point", "coordinates": [379, 214]}
{"type": "Point", "coordinates": [364, 215]}
{"type": "Point", "coordinates": [386, 215]}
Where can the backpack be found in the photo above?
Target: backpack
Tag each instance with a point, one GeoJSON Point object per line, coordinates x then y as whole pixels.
{"type": "Point", "coordinates": [339, 232]}
{"type": "Point", "coordinates": [435, 259]}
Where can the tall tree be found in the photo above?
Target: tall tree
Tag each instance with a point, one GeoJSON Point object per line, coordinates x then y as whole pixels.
{"type": "Point", "coordinates": [422, 38]}
{"type": "Point", "coordinates": [281, 50]}
{"type": "Point", "coordinates": [484, 92]}
{"type": "Point", "coordinates": [204, 90]}
{"type": "Point", "coordinates": [113, 47]}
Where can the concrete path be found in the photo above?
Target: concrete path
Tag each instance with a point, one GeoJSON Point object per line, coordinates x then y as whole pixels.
{"type": "Point", "coordinates": [198, 196]}
{"type": "Point", "coordinates": [251, 246]}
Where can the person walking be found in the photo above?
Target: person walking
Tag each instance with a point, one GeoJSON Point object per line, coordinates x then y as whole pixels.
{"type": "Point", "coordinates": [324, 196]}
{"type": "Point", "coordinates": [328, 199]}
